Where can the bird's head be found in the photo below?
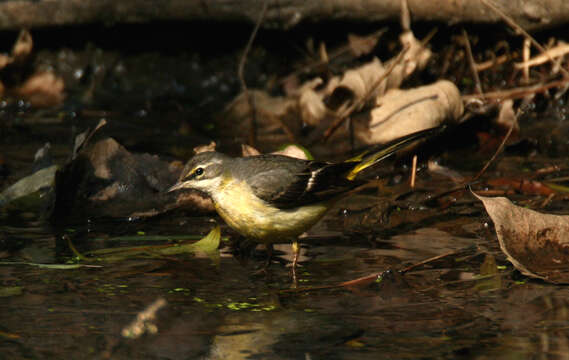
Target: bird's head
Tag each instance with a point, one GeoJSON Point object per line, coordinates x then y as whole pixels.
{"type": "Point", "coordinates": [203, 172]}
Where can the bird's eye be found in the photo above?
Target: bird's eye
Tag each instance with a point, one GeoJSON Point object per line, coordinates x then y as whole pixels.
{"type": "Point", "coordinates": [199, 171]}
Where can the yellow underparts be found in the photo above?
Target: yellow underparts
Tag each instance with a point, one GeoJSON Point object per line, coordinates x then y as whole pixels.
{"type": "Point", "coordinates": [256, 219]}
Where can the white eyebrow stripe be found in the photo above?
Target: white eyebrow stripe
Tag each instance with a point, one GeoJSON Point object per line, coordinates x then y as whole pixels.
{"type": "Point", "coordinates": [211, 162]}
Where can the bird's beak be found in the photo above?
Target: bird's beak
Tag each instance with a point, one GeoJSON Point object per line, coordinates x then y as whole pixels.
{"type": "Point", "coordinates": [176, 186]}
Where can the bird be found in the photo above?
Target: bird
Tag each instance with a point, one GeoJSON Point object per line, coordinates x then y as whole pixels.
{"type": "Point", "coordinates": [272, 198]}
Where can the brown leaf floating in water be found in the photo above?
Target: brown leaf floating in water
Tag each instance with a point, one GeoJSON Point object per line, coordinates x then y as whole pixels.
{"type": "Point", "coordinates": [535, 243]}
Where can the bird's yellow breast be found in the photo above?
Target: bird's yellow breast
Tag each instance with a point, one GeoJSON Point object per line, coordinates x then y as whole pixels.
{"type": "Point", "coordinates": [254, 218]}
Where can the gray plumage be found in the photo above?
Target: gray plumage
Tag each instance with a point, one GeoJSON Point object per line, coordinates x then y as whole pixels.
{"type": "Point", "coordinates": [281, 181]}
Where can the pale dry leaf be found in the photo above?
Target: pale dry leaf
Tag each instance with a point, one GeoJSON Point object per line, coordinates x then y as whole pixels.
{"type": "Point", "coordinates": [535, 243]}
{"type": "Point", "coordinates": [23, 46]}
{"type": "Point", "coordinates": [203, 148]}
{"type": "Point", "coordinates": [269, 109]}
{"type": "Point", "coordinates": [5, 60]}
{"type": "Point", "coordinates": [356, 85]}
{"type": "Point", "coordinates": [362, 45]}
{"type": "Point", "coordinates": [402, 112]}
{"type": "Point", "coordinates": [42, 89]}
{"type": "Point", "coordinates": [312, 108]}
{"type": "Point", "coordinates": [507, 117]}
{"type": "Point", "coordinates": [418, 55]}
{"type": "Point", "coordinates": [248, 150]}
{"type": "Point", "coordinates": [293, 151]}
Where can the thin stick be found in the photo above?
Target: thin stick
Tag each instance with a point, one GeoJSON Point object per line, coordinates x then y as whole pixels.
{"type": "Point", "coordinates": [526, 50]}
{"type": "Point", "coordinates": [521, 30]}
{"type": "Point", "coordinates": [240, 70]}
{"type": "Point", "coordinates": [434, 258]}
{"type": "Point", "coordinates": [413, 171]}
{"type": "Point", "coordinates": [519, 92]}
{"type": "Point", "coordinates": [478, 84]}
{"type": "Point", "coordinates": [498, 151]}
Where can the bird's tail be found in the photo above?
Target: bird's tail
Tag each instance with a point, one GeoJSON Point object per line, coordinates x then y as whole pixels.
{"type": "Point", "coordinates": [366, 159]}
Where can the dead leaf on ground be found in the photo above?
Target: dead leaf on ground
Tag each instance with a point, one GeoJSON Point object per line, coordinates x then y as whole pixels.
{"type": "Point", "coordinates": [362, 45]}
{"type": "Point", "coordinates": [402, 112]}
{"type": "Point", "coordinates": [42, 89]}
{"type": "Point", "coordinates": [203, 148]}
{"type": "Point", "coordinates": [105, 179]}
{"type": "Point", "coordinates": [23, 46]}
{"type": "Point", "coordinates": [316, 102]}
{"type": "Point", "coordinates": [20, 51]}
{"type": "Point", "coordinates": [292, 150]}
{"type": "Point", "coordinates": [507, 118]}
{"type": "Point", "coordinates": [535, 243]}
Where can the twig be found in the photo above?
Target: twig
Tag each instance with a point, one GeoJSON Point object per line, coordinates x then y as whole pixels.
{"type": "Point", "coordinates": [485, 65]}
{"type": "Point", "coordinates": [478, 84]}
{"type": "Point", "coordinates": [240, 70]}
{"type": "Point", "coordinates": [520, 30]}
{"type": "Point", "coordinates": [434, 258]}
{"type": "Point", "coordinates": [498, 151]}
{"type": "Point", "coordinates": [519, 92]}
{"type": "Point", "coordinates": [413, 171]}
{"type": "Point", "coordinates": [547, 200]}
{"type": "Point", "coordinates": [555, 52]}
{"type": "Point", "coordinates": [526, 50]}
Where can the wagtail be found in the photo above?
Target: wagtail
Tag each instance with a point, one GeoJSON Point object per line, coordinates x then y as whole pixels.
{"type": "Point", "coordinates": [275, 198]}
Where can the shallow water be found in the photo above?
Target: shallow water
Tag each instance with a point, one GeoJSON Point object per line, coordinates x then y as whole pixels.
{"type": "Point", "coordinates": [469, 304]}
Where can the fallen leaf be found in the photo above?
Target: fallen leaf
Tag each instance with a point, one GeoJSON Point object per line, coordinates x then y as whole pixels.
{"type": "Point", "coordinates": [362, 45]}
{"type": "Point", "coordinates": [203, 148]}
{"type": "Point", "coordinates": [42, 89]}
{"type": "Point", "coordinates": [248, 150]}
{"type": "Point", "coordinates": [295, 151]}
{"type": "Point", "coordinates": [30, 184]}
{"type": "Point", "coordinates": [23, 46]}
{"type": "Point", "coordinates": [356, 85]}
{"type": "Point", "coordinates": [208, 244]}
{"type": "Point", "coordinates": [507, 117]}
{"type": "Point", "coordinates": [535, 243]}
{"type": "Point", "coordinates": [402, 112]}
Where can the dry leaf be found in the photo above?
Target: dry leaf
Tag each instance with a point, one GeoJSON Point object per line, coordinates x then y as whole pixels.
{"type": "Point", "coordinates": [203, 148]}
{"type": "Point", "coordinates": [294, 151]}
{"type": "Point", "coordinates": [5, 60]}
{"type": "Point", "coordinates": [310, 104]}
{"type": "Point", "coordinates": [507, 117]}
{"type": "Point", "coordinates": [536, 243]}
{"type": "Point", "coordinates": [42, 89]}
{"type": "Point", "coordinates": [402, 112]}
{"type": "Point", "coordinates": [362, 45]}
{"type": "Point", "coordinates": [248, 150]}
{"type": "Point", "coordinates": [23, 46]}
{"type": "Point", "coordinates": [271, 113]}
{"type": "Point", "coordinates": [355, 85]}
{"type": "Point", "coordinates": [416, 57]}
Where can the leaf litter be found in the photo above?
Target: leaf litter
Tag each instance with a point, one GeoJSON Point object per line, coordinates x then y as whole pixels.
{"type": "Point", "coordinates": [535, 243]}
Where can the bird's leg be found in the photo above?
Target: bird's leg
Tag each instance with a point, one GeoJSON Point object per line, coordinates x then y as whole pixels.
{"type": "Point", "coordinates": [269, 255]}
{"type": "Point", "coordinates": [296, 253]}
{"type": "Point", "coordinates": [265, 267]}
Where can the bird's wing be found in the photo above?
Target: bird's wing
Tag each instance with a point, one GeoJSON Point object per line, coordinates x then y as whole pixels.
{"type": "Point", "coordinates": [287, 183]}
